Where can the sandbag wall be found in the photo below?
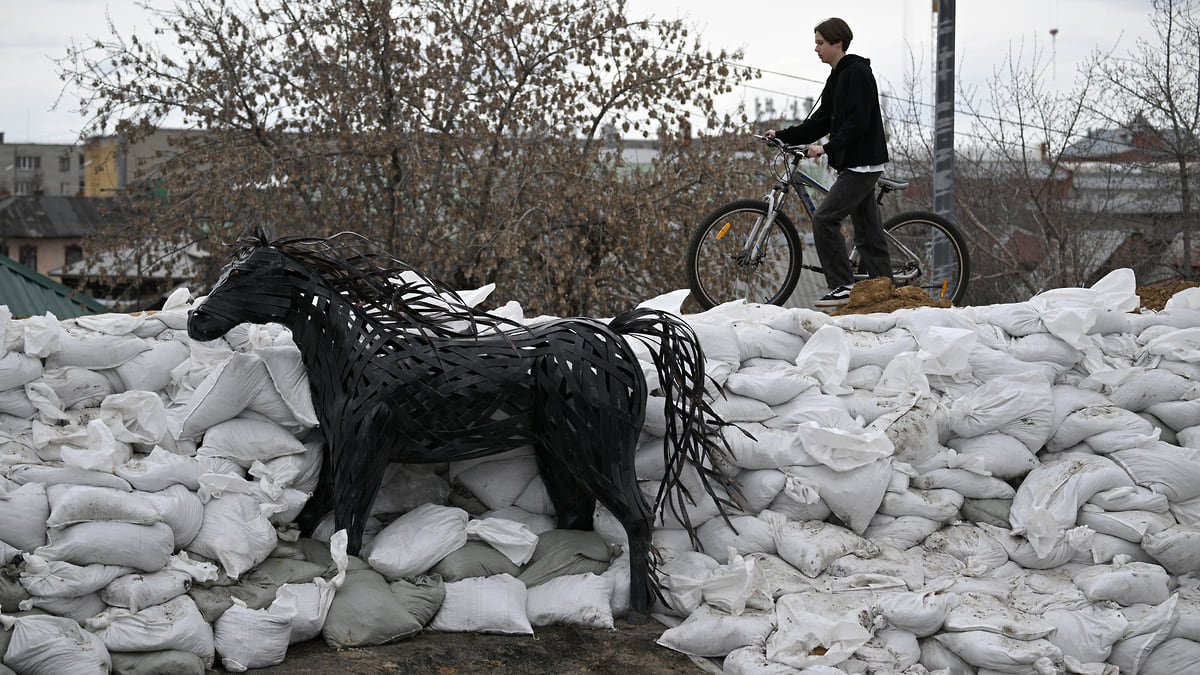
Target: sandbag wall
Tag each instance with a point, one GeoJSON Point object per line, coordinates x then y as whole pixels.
{"type": "Point", "coordinates": [1010, 488]}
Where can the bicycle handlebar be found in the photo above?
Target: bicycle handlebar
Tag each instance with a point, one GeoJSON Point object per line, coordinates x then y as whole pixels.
{"type": "Point", "coordinates": [773, 141]}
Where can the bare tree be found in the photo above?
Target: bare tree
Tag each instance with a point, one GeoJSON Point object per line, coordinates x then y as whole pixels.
{"type": "Point", "coordinates": [465, 136]}
{"type": "Point", "coordinates": [1153, 96]}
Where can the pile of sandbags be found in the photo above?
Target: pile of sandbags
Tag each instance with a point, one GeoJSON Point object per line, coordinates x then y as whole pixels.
{"type": "Point", "coordinates": [1011, 488]}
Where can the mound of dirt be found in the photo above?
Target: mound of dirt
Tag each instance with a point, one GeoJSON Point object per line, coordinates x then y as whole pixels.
{"type": "Point", "coordinates": [880, 295]}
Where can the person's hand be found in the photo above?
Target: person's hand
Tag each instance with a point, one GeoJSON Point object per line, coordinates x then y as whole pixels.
{"type": "Point", "coordinates": [815, 150]}
{"type": "Point", "coordinates": [769, 133]}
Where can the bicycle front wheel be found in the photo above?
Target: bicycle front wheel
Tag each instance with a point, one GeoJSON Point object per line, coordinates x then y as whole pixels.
{"type": "Point", "coordinates": [724, 265]}
{"type": "Point", "coordinates": [927, 251]}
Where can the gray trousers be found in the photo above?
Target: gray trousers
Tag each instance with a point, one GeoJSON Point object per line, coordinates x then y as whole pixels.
{"type": "Point", "coordinates": [852, 194]}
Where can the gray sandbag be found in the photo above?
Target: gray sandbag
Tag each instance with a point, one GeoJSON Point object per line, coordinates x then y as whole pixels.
{"type": "Point", "coordinates": [562, 552]}
{"type": "Point", "coordinates": [289, 571]}
{"type": "Point", "coordinates": [365, 611]}
{"type": "Point", "coordinates": [474, 559]}
{"type": "Point", "coordinates": [255, 588]}
{"type": "Point", "coordinates": [171, 661]}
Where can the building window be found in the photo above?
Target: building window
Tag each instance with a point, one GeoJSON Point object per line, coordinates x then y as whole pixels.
{"type": "Point", "coordinates": [29, 257]}
{"type": "Point", "coordinates": [72, 254]}
{"type": "Point", "coordinates": [64, 163]}
{"type": "Point", "coordinates": [29, 163]}
{"type": "Point", "coordinates": [24, 188]}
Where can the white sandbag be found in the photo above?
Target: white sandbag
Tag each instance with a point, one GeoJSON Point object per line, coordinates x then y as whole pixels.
{"type": "Point", "coordinates": [142, 547]}
{"type": "Point", "coordinates": [308, 604]}
{"type": "Point", "coordinates": [224, 392]}
{"type": "Point", "coordinates": [1021, 551]}
{"type": "Point", "coordinates": [819, 629]}
{"type": "Point", "coordinates": [58, 579]}
{"type": "Point", "coordinates": [1128, 525]}
{"type": "Point", "coordinates": [138, 591]}
{"type": "Point", "coordinates": [983, 649]}
{"type": "Point", "coordinates": [103, 452]}
{"type": "Point", "coordinates": [978, 612]}
{"type": "Point", "coordinates": [938, 658]}
{"type": "Point", "coordinates": [512, 538]}
{"type": "Point", "coordinates": [735, 408]}
{"type": "Point", "coordinates": [710, 632]}
{"type": "Point", "coordinates": [889, 650]}
{"type": "Point", "coordinates": [576, 599]}
{"type": "Point", "coordinates": [737, 585]}
{"type": "Point", "coordinates": [1149, 626]}
{"type": "Point", "coordinates": [182, 511]}
{"type": "Point", "coordinates": [251, 638]}
{"type": "Point", "coordinates": [1182, 345]}
{"type": "Point", "coordinates": [17, 370]}
{"type": "Point", "coordinates": [826, 357]}
{"type": "Point", "coordinates": [493, 604]}
{"type": "Point", "coordinates": [971, 545]}
{"type": "Point", "coordinates": [753, 661]}
{"type": "Point", "coordinates": [1130, 498]}
{"type": "Point", "coordinates": [1167, 469]}
{"type": "Point", "coordinates": [160, 469]}
{"type": "Point", "coordinates": [1003, 456]}
{"type": "Point", "coordinates": [75, 387]}
{"type": "Point", "coordinates": [1086, 633]}
{"type": "Point", "coordinates": [683, 580]}
{"type": "Point", "coordinates": [53, 645]}
{"type": "Point", "coordinates": [246, 441]}
{"type": "Point", "coordinates": [870, 565]}
{"type": "Point", "coordinates": [748, 534]}
{"type": "Point", "coordinates": [755, 446]}
{"type": "Point", "coordinates": [23, 514]}
{"type": "Point", "coordinates": [1093, 420]}
{"type": "Point", "coordinates": [759, 487]}
{"type": "Point", "coordinates": [72, 504]}
{"type": "Point", "coordinates": [1177, 548]}
{"type": "Point", "coordinates": [236, 533]}
{"type": "Point", "coordinates": [969, 484]}
{"type": "Point", "coordinates": [1020, 406]}
{"type": "Point", "coordinates": [41, 334]}
{"type": "Point", "coordinates": [498, 483]}
{"type": "Point", "coordinates": [1105, 548]}
{"type": "Point", "coordinates": [174, 624]}
{"type": "Point", "coordinates": [1125, 583]}
{"type": "Point", "coordinates": [844, 449]}
{"type": "Point", "coordinates": [1044, 347]}
{"type": "Point", "coordinates": [1177, 415]}
{"type": "Point", "coordinates": [1049, 498]}
{"type": "Point", "coordinates": [1145, 388]}
{"type": "Point", "coordinates": [853, 495]}
{"type": "Point", "coordinates": [94, 351]}
{"type": "Point", "coordinates": [136, 417]}
{"type": "Point", "coordinates": [53, 475]}
{"type": "Point", "coordinates": [150, 370]}
{"type": "Point", "coordinates": [415, 541]}
{"type": "Point", "coordinates": [811, 546]}
{"type": "Point", "coordinates": [903, 532]}
{"type": "Point", "coordinates": [938, 505]}
{"type": "Point", "coordinates": [1175, 655]}
{"type": "Point", "coordinates": [921, 613]}
{"type": "Point", "coordinates": [759, 340]}
{"type": "Point", "coordinates": [770, 384]}
{"type": "Point", "coordinates": [878, 348]}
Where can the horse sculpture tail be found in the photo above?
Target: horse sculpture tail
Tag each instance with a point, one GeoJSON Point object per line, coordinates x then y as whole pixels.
{"type": "Point", "coordinates": [693, 428]}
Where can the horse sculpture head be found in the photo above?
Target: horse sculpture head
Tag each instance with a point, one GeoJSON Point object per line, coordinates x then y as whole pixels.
{"type": "Point", "coordinates": [255, 287]}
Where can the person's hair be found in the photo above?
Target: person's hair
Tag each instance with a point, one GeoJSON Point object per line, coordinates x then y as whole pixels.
{"type": "Point", "coordinates": [835, 30]}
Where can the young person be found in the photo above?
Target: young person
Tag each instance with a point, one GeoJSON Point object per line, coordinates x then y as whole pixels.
{"type": "Point", "coordinates": [857, 148]}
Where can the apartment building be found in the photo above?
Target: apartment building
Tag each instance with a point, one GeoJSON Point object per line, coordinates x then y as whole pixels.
{"type": "Point", "coordinates": [40, 169]}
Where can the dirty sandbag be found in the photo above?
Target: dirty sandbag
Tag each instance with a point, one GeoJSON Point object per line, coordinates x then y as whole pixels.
{"type": "Point", "coordinates": [53, 645]}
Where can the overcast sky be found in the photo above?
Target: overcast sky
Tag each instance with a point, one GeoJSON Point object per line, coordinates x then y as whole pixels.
{"type": "Point", "coordinates": [776, 36]}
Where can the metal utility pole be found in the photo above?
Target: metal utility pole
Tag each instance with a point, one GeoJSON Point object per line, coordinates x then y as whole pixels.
{"type": "Point", "coordinates": [943, 126]}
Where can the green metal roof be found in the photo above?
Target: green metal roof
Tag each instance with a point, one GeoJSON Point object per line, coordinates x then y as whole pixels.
{"type": "Point", "coordinates": [28, 293]}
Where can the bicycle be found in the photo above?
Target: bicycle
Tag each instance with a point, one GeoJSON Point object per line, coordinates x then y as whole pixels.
{"type": "Point", "coordinates": [750, 249]}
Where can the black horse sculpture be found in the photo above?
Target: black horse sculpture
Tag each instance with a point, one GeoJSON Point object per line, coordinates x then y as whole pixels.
{"type": "Point", "coordinates": [401, 369]}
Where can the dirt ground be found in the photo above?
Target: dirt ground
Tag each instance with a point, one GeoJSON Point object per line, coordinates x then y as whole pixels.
{"type": "Point", "coordinates": [552, 650]}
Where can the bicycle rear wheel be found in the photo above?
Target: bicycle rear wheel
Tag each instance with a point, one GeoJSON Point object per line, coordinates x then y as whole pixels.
{"type": "Point", "coordinates": [929, 252]}
{"type": "Point", "coordinates": [719, 270]}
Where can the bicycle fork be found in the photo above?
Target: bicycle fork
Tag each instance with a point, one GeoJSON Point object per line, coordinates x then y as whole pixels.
{"type": "Point", "coordinates": [755, 246]}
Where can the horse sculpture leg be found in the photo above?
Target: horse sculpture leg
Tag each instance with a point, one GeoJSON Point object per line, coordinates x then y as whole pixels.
{"type": "Point", "coordinates": [587, 429]}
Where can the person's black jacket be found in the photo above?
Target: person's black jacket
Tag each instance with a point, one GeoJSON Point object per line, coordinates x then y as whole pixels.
{"type": "Point", "coordinates": [849, 113]}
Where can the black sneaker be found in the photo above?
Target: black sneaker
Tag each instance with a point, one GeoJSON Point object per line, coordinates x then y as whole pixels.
{"type": "Point", "coordinates": [836, 298]}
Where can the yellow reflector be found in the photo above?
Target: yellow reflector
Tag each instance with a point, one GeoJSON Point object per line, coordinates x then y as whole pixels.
{"type": "Point", "coordinates": [944, 285]}
{"type": "Point", "coordinates": [724, 230]}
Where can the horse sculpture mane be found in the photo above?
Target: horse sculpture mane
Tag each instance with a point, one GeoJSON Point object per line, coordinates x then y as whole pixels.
{"type": "Point", "coordinates": [402, 369]}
